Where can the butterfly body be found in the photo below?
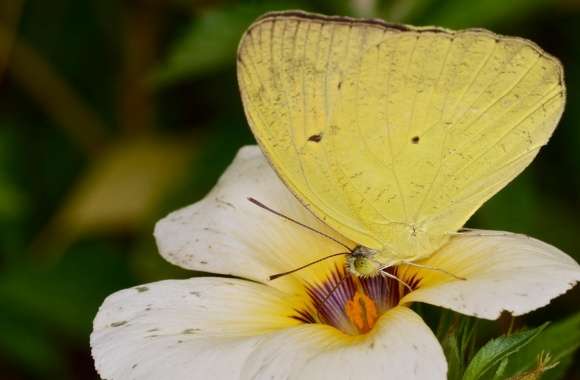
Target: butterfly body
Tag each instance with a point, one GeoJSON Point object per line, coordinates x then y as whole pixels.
{"type": "Point", "coordinates": [361, 263]}
{"type": "Point", "coordinates": [394, 135]}
{"type": "Point", "coordinates": [368, 262]}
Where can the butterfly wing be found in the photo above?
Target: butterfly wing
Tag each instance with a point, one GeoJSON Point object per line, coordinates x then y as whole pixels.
{"type": "Point", "coordinates": [395, 135]}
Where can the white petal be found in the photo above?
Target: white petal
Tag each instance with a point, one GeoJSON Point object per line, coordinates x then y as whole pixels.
{"type": "Point", "coordinates": [200, 328]}
{"type": "Point", "coordinates": [400, 347]}
{"type": "Point", "coordinates": [225, 233]}
{"type": "Point", "coordinates": [504, 271]}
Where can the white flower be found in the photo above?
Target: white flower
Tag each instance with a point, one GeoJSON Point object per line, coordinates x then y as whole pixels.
{"type": "Point", "coordinates": [223, 328]}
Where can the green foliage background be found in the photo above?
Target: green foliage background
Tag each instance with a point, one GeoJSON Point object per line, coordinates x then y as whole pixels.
{"type": "Point", "coordinates": [113, 113]}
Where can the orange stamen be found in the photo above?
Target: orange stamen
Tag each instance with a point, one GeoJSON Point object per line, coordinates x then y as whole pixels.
{"type": "Point", "coordinates": [362, 311]}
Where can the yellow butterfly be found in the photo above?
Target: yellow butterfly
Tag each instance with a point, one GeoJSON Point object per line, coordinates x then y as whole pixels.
{"type": "Point", "coordinates": [394, 135]}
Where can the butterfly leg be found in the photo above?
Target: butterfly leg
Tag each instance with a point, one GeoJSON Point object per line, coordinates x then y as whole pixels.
{"type": "Point", "coordinates": [429, 267]}
{"type": "Point", "coordinates": [477, 232]}
{"type": "Point", "coordinates": [387, 274]}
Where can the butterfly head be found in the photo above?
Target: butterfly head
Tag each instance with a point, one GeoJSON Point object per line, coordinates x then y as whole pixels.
{"type": "Point", "coordinates": [361, 262]}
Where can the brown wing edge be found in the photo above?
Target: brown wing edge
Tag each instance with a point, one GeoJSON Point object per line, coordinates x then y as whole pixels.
{"type": "Point", "coordinates": [300, 15]}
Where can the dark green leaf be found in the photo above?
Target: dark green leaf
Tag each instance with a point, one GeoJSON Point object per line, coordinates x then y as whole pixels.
{"type": "Point", "coordinates": [456, 333]}
{"type": "Point", "coordinates": [497, 350]}
{"type": "Point", "coordinates": [560, 340]}
{"type": "Point", "coordinates": [488, 13]}
{"type": "Point", "coordinates": [210, 43]}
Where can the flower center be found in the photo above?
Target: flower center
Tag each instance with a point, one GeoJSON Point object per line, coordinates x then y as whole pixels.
{"type": "Point", "coordinates": [361, 311]}
{"type": "Point", "coordinates": [352, 304]}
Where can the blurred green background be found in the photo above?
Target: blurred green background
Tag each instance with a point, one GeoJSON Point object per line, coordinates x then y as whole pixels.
{"type": "Point", "coordinates": [113, 113]}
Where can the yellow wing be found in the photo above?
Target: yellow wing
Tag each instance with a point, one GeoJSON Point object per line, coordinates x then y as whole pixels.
{"type": "Point", "coordinates": [395, 135]}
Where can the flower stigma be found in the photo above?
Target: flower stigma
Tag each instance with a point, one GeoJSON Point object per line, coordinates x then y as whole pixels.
{"type": "Point", "coordinates": [361, 310]}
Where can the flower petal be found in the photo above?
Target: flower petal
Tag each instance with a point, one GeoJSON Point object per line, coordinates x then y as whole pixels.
{"type": "Point", "coordinates": [400, 347]}
{"type": "Point", "coordinates": [225, 233]}
{"type": "Point", "coordinates": [185, 329]}
{"type": "Point", "coordinates": [504, 271]}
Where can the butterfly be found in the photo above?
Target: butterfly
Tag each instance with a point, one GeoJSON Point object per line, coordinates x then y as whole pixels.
{"type": "Point", "coordinates": [394, 135]}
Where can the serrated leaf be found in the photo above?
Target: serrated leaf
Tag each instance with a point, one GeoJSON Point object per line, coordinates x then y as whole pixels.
{"type": "Point", "coordinates": [500, 371]}
{"type": "Point", "coordinates": [560, 340]}
{"type": "Point", "coordinates": [497, 350]}
{"type": "Point", "coordinates": [544, 363]}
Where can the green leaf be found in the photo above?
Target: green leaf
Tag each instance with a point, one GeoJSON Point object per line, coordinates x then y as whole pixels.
{"type": "Point", "coordinates": [26, 343]}
{"type": "Point", "coordinates": [210, 43]}
{"type": "Point", "coordinates": [560, 340]}
{"type": "Point", "coordinates": [454, 356]}
{"type": "Point", "coordinates": [488, 13]}
{"type": "Point", "coordinates": [457, 341]}
{"type": "Point", "coordinates": [119, 192]}
{"type": "Point", "coordinates": [64, 296]}
{"type": "Point", "coordinates": [497, 350]}
{"type": "Point", "coordinates": [500, 371]}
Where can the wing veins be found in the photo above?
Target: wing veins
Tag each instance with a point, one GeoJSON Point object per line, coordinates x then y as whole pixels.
{"type": "Point", "coordinates": [390, 141]}
{"type": "Point", "coordinates": [468, 87]}
{"type": "Point", "coordinates": [479, 191]}
{"type": "Point", "coordinates": [514, 85]}
{"type": "Point", "coordinates": [508, 132]}
{"type": "Point", "coordinates": [333, 165]}
{"type": "Point", "coordinates": [365, 142]}
{"type": "Point", "coordinates": [304, 93]}
{"type": "Point", "coordinates": [471, 124]}
{"type": "Point", "coordinates": [444, 144]}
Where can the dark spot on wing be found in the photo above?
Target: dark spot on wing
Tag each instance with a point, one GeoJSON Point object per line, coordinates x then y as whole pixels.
{"type": "Point", "coordinates": [339, 85]}
{"type": "Point", "coordinates": [415, 140]}
{"type": "Point", "coordinates": [315, 138]}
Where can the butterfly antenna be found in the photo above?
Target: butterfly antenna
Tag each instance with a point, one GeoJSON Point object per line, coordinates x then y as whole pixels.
{"type": "Point", "coordinates": [278, 275]}
{"type": "Point", "coordinates": [260, 204]}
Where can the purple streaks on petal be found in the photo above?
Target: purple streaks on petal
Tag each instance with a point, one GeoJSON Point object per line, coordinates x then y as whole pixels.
{"type": "Point", "coordinates": [330, 297]}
